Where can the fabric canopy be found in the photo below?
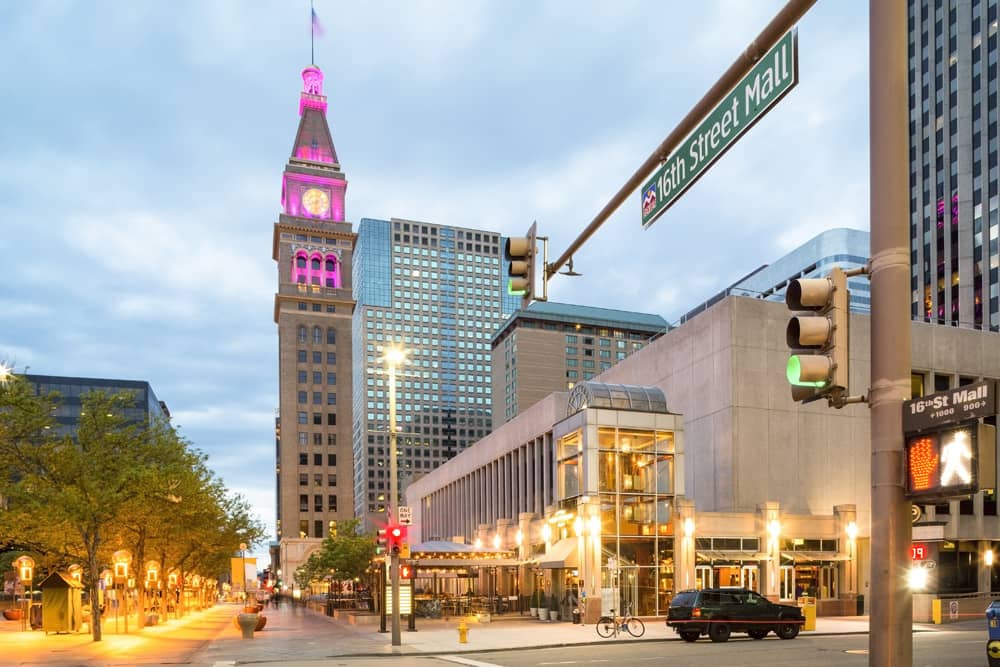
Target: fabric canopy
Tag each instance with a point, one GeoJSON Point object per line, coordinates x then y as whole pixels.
{"type": "Point", "coordinates": [561, 554]}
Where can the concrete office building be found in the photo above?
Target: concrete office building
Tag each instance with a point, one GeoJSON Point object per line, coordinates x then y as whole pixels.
{"type": "Point", "coordinates": [438, 293]}
{"type": "Point", "coordinates": [772, 494]}
{"type": "Point", "coordinates": [954, 178]}
{"type": "Point", "coordinates": [312, 247]}
{"type": "Point", "coordinates": [551, 346]}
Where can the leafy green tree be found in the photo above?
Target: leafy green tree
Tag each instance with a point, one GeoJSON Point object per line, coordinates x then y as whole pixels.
{"type": "Point", "coordinates": [344, 556]}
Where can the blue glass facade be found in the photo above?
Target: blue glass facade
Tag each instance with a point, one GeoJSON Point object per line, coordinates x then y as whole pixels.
{"type": "Point", "coordinates": [439, 293]}
{"type": "Point", "coordinates": [143, 411]}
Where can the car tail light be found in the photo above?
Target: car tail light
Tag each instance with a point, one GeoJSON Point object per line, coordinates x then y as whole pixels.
{"type": "Point", "coordinates": [696, 612]}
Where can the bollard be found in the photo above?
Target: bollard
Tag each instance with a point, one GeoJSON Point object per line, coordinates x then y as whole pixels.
{"type": "Point", "coordinates": [463, 632]}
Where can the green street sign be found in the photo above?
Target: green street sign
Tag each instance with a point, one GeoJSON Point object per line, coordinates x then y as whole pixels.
{"type": "Point", "coordinates": [762, 87]}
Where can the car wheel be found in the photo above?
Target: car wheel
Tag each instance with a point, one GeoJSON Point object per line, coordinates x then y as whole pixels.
{"type": "Point", "coordinates": [719, 632]}
{"type": "Point", "coordinates": [690, 635]}
{"type": "Point", "coordinates": [757, 634]}
{"type": "Point", "coordinates": [787, 631]}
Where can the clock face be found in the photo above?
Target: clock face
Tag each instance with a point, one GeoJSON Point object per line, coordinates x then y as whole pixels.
{"type": "Point", "coordinates": [316, 201]}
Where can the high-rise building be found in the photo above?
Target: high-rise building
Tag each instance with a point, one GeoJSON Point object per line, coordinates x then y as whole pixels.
{"type": "Point", "coordinates": [313, 306]}
{"type": "Point", "coordinates": [550, 347]}
{"type": "Point", "coordinates": [954, 175]}
{"type": "Point", "coordinates": [142, 412]}
{"type": "Point", "coordinates": [843, 247]}
{"type": "Point", "coordinates": [436, 292]}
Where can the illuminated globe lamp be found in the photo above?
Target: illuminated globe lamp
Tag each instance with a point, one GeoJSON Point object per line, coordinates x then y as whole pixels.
{"type": "Point", "coordinates": [25, 566]}
{"type": "Point", "coordinates": [75, 572]}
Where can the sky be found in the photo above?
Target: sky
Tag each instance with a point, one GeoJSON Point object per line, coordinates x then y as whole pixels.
{"type": "Point", "coordinates": [142, 146]}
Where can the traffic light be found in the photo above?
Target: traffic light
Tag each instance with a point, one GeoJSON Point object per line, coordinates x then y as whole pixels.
{"type": "Point", "coordinates": [820, 338]}
{"type": "Point", "coordinates": [381, 541]}
{"type": "Point", "coordinates": [397, 535]}
{"type": "Point", "coordinates": [520, 255]}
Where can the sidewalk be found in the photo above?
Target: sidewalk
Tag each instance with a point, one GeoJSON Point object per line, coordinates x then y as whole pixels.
{"type": "Point", "coordinates": [296, 635]}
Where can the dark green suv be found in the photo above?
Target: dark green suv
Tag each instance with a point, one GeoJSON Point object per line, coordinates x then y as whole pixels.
{"type": "Point", "coordinates": [718, 612]}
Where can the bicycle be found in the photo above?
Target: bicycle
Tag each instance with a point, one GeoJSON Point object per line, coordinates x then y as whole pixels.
{"type": "Point", "coordinates": [612, 625]}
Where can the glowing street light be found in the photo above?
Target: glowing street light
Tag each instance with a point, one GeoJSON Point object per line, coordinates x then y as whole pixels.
{"type": "Point", "coordinates": [393, 357]}
{"type": "Point", "coordinates": [25, 566]}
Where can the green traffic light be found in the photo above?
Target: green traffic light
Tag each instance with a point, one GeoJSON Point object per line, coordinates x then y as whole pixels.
{"type": "Point", "coordinates": [794, 373]}
{"type": "Point", "coordinates": [512, 291]}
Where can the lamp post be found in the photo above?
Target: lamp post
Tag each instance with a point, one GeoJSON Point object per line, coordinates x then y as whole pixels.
{"type": "Point", "coordinates": [243, 575]}
{"type": "Point", "coordinates": [393, 357]}
{"type": "Point", "coordinates": [25, 566]}
{"type": "Point", "coordinates": [152, 584]}
{"type": "Point", "coordinates": [852, 537]}
{"type": "Point", "coordinates": [122, 558]}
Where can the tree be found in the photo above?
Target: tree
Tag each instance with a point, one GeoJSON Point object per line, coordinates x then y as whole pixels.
{"type": "Point", "coordinates": [346, 556]}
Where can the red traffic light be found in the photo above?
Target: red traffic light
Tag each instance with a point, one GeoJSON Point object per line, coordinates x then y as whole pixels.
{"type": "Point", "coordinates": [396, 532]}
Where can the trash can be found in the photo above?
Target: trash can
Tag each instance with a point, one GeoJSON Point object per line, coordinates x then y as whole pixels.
{"type": "Point", "coordinates": [808, 605]}
{"type": "Point", "coordinates": [993, 628]}
{"type": "Point", "coordinates": [576, 615]}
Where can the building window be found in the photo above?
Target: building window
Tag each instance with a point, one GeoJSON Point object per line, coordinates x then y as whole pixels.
{"type": "Point", "coordinates": [331, 399]}
{"type": "Point", "coordinates": [301, 355]}
{"type": "Point", "coordinates": [318, 526]}
{"type": "Point", "coordinates": [304, 524]}
{"type": "Point", "coordinates": [317, 459]}
{"type": "Point", "coordinates": [331, 378]}
{"type": "Point", "coordinates": [317, 438]}
{"type": "Point", "coordinates": [303, 503]}
{"type": "Point", "coordinates": [331, 419]}
{"type": "Point", "coordinates": [303, 459]}
{"type": "Point", "coordinates": [302, 334]}
{"type": "Point", "coordinates": [331, 336]}
{"type": "Point", "coordinates": [318, 418]}
{"type": "Point", "coordinates": [331, 460]}
{"type": "Point", "coordinates": [302, 377]}
{"type": "Point", "coordinates": [303, 397]}
{"type": "Point", "coordinates": [331, 503]}
{"type": "Point", "coordinates": [317, 335]}
{"type": "Point", "coordinates": [302, 438]}
{"type": "Point", "coordinates": [303, 479]}
{"type": "Point", "coordinates": [331, 480]}
{"type": "Point", "coordinates": [303, 418]}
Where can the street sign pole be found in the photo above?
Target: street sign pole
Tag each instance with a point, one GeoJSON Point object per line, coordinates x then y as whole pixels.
{"type": "Point", "coordinates": [890, 641]}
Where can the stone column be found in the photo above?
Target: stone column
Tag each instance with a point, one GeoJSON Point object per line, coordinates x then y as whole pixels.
{"type": "Point", "coordinates": [769, 516]}
{"type": "Point", "coordinates": [848, 531]}
{"type": "Point", "coordinates": [685, 530]}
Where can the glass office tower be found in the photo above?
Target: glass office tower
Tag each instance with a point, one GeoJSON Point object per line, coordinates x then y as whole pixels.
{"type": "Point", "coordinates": [952, 62]}
{"type": "Point", "coordinates": [439, 293]}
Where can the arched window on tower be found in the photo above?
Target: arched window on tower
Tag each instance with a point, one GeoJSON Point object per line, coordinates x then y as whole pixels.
{"type": "Point", "coordinates": [331, 276]}
{"type": "Point", "coordinates": [300, 268]}
{"type": "Point", "coordinates": [316, 270]}
{"type": "Point", "coordinates": [302, 333]}
{"type": "Point", "coordinates": [317, 335]}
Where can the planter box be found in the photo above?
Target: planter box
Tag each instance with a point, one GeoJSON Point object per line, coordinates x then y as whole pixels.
{"type": "Point", "coordinates": [13, 614]}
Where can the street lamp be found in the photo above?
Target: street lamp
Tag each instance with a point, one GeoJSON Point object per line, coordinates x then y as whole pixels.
{"type": "Point", "coordinates": [852, 536]}
{"type": "Point", "coordinates": [393, 357]}
{"type": "Point", "coordinates": [122, 559]}
{"type": "Point", "coordinates": [243, 575]}
{"type": "Point", "coordinates": [152, 580]}
{"type": "Point", "coordinates": [25, 566]}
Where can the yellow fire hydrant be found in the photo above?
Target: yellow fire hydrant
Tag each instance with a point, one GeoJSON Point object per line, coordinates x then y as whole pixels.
{"type": "Point", "coordinates": [463, 632]}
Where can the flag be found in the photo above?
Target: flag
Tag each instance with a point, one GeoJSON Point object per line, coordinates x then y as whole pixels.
{"type": "Point", "coordinates": [317, 27]}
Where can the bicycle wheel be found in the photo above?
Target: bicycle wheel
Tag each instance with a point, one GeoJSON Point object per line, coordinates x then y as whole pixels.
{"type": "Point", "coordinates": [635, 626]}
{"type": "Point", "coordinates": [605, 626]}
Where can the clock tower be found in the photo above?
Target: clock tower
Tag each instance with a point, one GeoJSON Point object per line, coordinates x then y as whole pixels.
{"type": "Point", "coordinates": [313, 305]}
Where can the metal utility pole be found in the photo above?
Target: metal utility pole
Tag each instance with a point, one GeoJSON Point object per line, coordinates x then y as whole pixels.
{"type": "Point", "coordinates": [890, 640]}
{"type": "Point", "coordinates": [393, 359]}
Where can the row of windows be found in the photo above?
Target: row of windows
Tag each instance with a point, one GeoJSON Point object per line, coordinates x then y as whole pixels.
{"type": "Point", "coordinates": [317, 398]}
{"type": "Point", "coordinates": [317, 418]}
{"type": "Point", "coordinates": [317, 459]}
{"type": "Point", "coordinates": [317, 438]}
{"type": "Point", "coordinates": [317, 377]}
{"type": "Point", "coordinates": [316, 307]}
{"type": "Point", "coordinates": [317, 335]}
{"type": "Point", "coordinates": [317, 479]}
{"type": "Point", "coordinates": [302, 356]}
{"type": "Point", "coordinates": [331, 504]}
{"type": "Point", "coordinates": [316, 239]}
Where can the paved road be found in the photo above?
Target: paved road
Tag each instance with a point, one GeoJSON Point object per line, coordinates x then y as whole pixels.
{"type": "Point", "coordinates": [296, 637]}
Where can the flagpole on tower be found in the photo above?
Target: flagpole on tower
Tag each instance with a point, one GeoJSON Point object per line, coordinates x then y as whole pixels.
{"type": "Point", "coordinates": [312, 33]}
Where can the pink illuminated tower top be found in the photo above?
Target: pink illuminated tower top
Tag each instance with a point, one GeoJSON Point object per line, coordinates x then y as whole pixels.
{"type": "Point", "coordinates": [312, 90]}
{"type": "Point", "coordinates": [314, 186]}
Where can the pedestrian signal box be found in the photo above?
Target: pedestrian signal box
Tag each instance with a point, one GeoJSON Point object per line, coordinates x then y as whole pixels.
{"type": "Point", "coordinates": [953, 462]}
